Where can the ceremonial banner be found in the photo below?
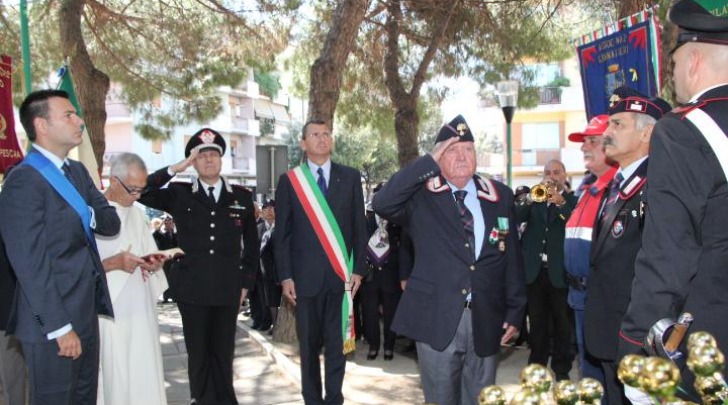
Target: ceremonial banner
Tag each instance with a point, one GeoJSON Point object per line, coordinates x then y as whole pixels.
{"type": "Point", "coordinates": [84, 152]}
{"type": "Point", "coordinates": [623, 54]}
{"type": "Point", "coordinates": [10, 152]}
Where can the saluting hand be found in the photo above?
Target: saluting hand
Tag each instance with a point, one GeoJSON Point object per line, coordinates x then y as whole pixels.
{"type": "Point", "coordinates": [183, 165]}
{"type": "Point", "coordinates": [441, 147]}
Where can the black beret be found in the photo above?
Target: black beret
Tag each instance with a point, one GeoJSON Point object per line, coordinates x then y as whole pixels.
{"type": "Point", "coordinates": [522, 190]}
{"type": "Point", "coordinates": [209, 138]}
{"type": "Point", "coordinates": [269, 204]}
{"type": "Point", "coordinates": [698, 24]}
{"type": "Point", "coordinates": [625, 99]}
{"type": "Point", "coordinates": [456, 127]}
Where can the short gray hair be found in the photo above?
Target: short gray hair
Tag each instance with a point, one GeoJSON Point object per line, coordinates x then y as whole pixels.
{"type": "Point", "coordinates": [120, 164]}
{"type": "Point", "coordinates": [643, 120]}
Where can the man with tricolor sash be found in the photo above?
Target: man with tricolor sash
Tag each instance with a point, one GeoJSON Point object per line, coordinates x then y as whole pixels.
{"type": "Point", "coordinates": [466, 294]}
{"type": "Point", "coordinates": [320, 245]}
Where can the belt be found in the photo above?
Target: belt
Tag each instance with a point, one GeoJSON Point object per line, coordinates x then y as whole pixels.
{"type": "Point", "coordinates": [467, 304]}
{"type": "Point", "coordinates": [577, 283]}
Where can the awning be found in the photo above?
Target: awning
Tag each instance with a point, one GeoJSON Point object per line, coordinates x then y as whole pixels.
{"type": "Point", "coordinates": [280, 113]}
{"type": "Point", "coordinates": [263, 110]}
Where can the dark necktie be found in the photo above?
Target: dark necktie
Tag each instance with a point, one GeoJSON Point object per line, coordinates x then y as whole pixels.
{"type": "Point", "coordinates": [211, 194]}
{"type": "Point", "coordinates": [67, 172]}
{"type": "Point", "coordinates": [613, 193]}
{"type": "Point", "coordinates": [466, 217]}
{"type": "Point", "coordinates": [321, 181]}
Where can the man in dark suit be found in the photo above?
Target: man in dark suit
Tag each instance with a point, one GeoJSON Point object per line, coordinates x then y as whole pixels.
{"type": "Point", "coordinates": [320, 196]}
{"type": "Point", "coordinates": [166, 238]}
{"type": "Point", "coordinates": [267, 289]}
{"type": "Point", "coordinates": [13, 373]}
{"type": "Point", "coordinates": [549, 315]}
{"type": "Point", "coordinates": [682, 264]}
{"type": "Point", "coordinates": [214, 221]}
{"type": "Point", "coordinates": [618, 233]}
{"type": "Point", "coordinates": [47, 221]}
{"type": "Point", "coordinates": [466, 294]}
{"type": "Point", "coordinates": [382, 284]}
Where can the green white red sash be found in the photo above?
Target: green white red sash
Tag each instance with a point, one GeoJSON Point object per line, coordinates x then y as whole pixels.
{"type": "Point", "coordinates": [329, 235]}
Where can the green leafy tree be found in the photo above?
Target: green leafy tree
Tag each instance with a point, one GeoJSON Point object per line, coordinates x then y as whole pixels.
{"type": "Point", "coordinates": [179, 52]}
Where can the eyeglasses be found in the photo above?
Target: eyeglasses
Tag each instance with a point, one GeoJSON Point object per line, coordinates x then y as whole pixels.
{"type": "Point", "coordinates": [131, 191]}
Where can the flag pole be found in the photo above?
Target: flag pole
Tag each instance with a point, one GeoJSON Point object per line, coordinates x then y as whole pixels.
{"type": "Point", "coordinates": [25, 49]}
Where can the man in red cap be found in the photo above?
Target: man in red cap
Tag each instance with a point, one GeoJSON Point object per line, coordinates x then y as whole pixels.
{"type": "Point", "coordinates": [579, 228]}
{"type": "Point", "coordinates": [682, 264]}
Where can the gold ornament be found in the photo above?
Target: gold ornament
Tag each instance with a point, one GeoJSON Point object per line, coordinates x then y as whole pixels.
{"type": "Point", "coordinates": [705, 360]}
{"type": "Point", "coordinates": [493, 395]}
{"type": "Point", "coordinates": [710, 385]}
{"type": "Point", "coordinates": [525, 397]}
{"type": "Point", "coordinates": [701, 339]}
{"type": "Point", "coordinates": [590, 391]}
{"type": "Point", "coordinates": [536, 378]}
{"type": "Point", "coordinates": [630, 369]}
{"type": "Point", "coordinates": [659, 377]}
{"type": "Point", "coordinates": [565, 393]}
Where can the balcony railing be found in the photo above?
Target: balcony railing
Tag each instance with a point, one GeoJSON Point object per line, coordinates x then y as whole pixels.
{"type": "Point", "coordinates": [550, 95]}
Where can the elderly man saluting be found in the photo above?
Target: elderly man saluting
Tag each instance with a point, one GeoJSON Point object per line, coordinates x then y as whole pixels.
{"type": "Point", "coordinates": [466, 292]}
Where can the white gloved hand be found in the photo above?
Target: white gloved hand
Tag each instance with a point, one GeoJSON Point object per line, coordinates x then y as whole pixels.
{"type": "Point", "coordinates": [638, 397]}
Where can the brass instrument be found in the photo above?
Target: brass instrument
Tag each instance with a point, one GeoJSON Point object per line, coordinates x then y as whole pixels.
{"type": "Point", "coordinates": [540, 192]}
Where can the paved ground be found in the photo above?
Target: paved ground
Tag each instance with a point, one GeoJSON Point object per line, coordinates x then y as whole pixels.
{"type": "Point", "coordinates": [267, 373]}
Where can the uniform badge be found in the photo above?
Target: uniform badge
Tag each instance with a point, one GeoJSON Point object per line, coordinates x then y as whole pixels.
{"type": "Point", "coordinates": [462, 128]}
{"type": "Point", "coordinates": [617, 229]}
{"type": "Point", "coordinates": [236, 206]}
{"type": "Point", "coordinates": [207, 136]}
{"type": "Point", "coordinates": [493, 236]}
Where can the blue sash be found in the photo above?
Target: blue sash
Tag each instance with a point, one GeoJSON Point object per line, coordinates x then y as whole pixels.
{"type": "Point", "coordinates": [64, 187]}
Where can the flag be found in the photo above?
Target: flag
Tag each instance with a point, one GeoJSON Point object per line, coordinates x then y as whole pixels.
{"type": "Point", "coordinates": [10, 152]}
{"type": "Point", "coordinates": [625, 53]}
{"type": "Point", "coordinates": [83, 152]}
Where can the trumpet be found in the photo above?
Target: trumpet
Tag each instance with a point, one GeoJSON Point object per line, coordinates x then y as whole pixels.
{"type": "Point", "coordinates": [540, 192]}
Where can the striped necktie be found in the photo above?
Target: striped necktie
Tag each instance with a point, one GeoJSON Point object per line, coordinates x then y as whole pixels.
{"type": "Point", "coordinates": [613, 193]}
{"type": "Point", "coordinates": [466, 217]}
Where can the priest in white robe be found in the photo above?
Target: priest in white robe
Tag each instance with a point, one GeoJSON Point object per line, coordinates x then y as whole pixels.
{"type": "Point", "coordinates": [131, 369]}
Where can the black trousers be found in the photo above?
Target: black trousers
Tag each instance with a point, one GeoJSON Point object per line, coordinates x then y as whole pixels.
{"type": "Point", "coordinates": [259, 310]}
{"type": "Point", "coordinates": [62, 380]}
{"type": "Point", "coordinates": [318, 323]}
{"type": "Point", "coordinates": [551, 322]}
{"type": "Point", "coordinates": [371, 296]}
{"type": "Point", "coordinates": [210, 340]}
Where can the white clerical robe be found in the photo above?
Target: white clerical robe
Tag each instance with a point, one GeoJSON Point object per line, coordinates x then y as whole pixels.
{"type": "Point", "coordinates": [131, 369]}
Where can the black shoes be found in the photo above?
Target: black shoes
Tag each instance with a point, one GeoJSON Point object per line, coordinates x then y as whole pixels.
{"type": "Point", "coordinates": [388, 355]}
{"type": "Point", "coordinates": [372, 354]}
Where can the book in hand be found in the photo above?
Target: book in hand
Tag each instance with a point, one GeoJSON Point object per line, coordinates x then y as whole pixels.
{"type": "Point", "coordinates": [168, 254]}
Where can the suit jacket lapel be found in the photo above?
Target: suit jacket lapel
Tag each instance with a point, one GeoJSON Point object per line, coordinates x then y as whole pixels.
{"type": "Point", "coordinates": [202, 196]}
{"type": "Point", "coordinates": [490, 218]}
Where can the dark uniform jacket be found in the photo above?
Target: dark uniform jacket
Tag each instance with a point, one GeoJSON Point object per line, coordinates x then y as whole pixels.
{"type": "Point", "coordinates": [540, 230]}
{"type": "Point", "coordinates": [617, 238]}
{"type": "Point", "coordinates": [7, 288]}
{"type": "Point", "coordinates": [298, 252]}
{"type": "Point", "coordinates": [683, 264]}
{"type": "Point", "coordinates": [60, 276]}
{"type": "Point", "coordinates": [220, 240]}
{"type": "Point", "coordinates": [444, 272]}
{"type": "Point", "coordinates": [385, 276]}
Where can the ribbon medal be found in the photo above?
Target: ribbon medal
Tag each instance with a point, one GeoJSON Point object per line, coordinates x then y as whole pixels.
{"type": "Point", "coordinates": [502, 233]}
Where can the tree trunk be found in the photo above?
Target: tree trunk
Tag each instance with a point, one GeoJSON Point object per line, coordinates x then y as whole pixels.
{"type": "Point", "coordinates": [626, 8]}
{"type": "Point", "coordinates": [91, 84]}
{"type": "Point", "coordinates": [328, 69]}
{"type": "Point", "coordinates": [285, 325]}
{"type": "Point", "coordinates": [406, 119]}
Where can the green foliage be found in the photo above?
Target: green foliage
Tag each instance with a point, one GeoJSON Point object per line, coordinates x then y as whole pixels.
{"type": "Point", "coordinates": [180, 52]}
{"type": "Point", "coordinates": [267, 126]}
{"type": "Point", "coordinates": [293, 138]}
{"type": "Point", "coordinates": [268, 82]}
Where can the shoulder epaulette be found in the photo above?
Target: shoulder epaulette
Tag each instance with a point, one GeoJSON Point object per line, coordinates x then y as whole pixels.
{"type": "Point", "coordinates": [240, 187]}
{"type": "Point", "coordinates": [682, 111]}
